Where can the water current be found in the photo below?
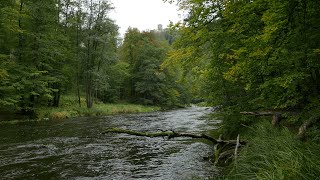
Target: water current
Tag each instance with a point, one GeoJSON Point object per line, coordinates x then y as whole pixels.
{"type": "Point", "coordinates": [76, 149]}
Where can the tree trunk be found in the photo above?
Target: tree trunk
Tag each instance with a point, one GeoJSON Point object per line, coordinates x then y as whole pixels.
{"type": "Point", "coordinates": [88, 77]}
{"type": "Point", "coordinates": [276, 119]}
{"type": "Point", "coordinates": [56, 95]}
{"type": "Point", "coordinates": [78, 63]}
{"type": "Point", "coordinates": [78, 92]}
{"type": "Point", "coordinates": [306, 125]}
{"type": "Point", "coordinates": [20, 28]}
{"type": "Point", "coordinates": [89, 93]}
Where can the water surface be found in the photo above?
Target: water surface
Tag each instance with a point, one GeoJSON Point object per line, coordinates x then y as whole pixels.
{"type": "Point", "coordinates": [75, 148]}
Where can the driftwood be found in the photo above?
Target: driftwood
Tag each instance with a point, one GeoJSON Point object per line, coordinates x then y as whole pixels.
{"type": "Point", "coordinates": [171, 135]}
{"type": "Point", "coordinates": [224, 154]}
{"type": "Point", "coordinates": [223, 149]}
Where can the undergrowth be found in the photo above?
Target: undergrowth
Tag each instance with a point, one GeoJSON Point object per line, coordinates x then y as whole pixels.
{"type": "Point", "coordinates": [275, 153]}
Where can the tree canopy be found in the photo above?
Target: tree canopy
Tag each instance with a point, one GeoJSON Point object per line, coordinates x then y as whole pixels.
{"type": "Point", "coordinates": [254, 55]}
{"type": "Point", "coordinates": [46, 46]}
{"type": "Point", "coordinates": [59, 47]}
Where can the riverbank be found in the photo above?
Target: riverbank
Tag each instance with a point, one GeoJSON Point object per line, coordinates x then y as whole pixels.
{"type": "Point", "coordinates": [99, 109]}
{"type": "Point", "coordinates": [69, 108]}
{"type": "Point", "coordinates": [276, 153]}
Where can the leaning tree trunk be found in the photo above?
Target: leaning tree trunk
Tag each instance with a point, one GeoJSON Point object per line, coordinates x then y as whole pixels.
{"type": "Point", "coordinates": [305, 126]}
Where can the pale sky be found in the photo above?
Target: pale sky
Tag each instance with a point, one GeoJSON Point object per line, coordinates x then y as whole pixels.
{"type": "Point", "coordinates": [143, 14]}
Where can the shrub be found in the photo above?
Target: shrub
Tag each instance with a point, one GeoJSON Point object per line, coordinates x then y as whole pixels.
{"type": "Point", "coordinates": [59, 115]}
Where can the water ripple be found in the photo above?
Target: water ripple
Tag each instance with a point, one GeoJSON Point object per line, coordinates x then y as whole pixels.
{"type": "Point", "coordinates": [74, 149]}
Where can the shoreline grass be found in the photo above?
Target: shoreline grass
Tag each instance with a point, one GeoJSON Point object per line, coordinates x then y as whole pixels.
{"type": "Point", "coordinates": [275, 153]}
{"type": "Point", "coordinates": [69, 108]}
{"type": "Point", "coordinates": [99, 109]}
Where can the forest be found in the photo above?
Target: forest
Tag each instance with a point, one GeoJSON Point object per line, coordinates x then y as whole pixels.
{"type": "Point", "coordinates": [253, 57]}
{"type": "Point", "coordinates": [67, 47]}
{"type": "Point", "coordinates": [243, 57]}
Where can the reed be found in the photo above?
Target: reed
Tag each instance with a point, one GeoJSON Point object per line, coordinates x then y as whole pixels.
{"type": "Point", "coordinates": [275, 153]}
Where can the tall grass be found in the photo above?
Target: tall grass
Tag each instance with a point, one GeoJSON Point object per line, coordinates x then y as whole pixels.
{"type": "Point", "coordinates": [276, 153]}
{"type": "Point", "coordinates": [69, 107]}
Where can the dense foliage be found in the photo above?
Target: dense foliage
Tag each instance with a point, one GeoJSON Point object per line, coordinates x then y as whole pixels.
{"type": "Point", "coordinates": [147, 82]}
{"type": "Point", "coordinates": [50, 47]}
{"type": "Point", "coordinates": [253, 55]}
{"type": "Point", "coordinates": [63, 47]}
{"type": "Point", "coordinates": [257, 55]}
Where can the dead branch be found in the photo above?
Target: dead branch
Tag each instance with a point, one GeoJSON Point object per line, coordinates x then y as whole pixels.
{"type": "Point", "coordinates": [276, 116]}
{"type": "Point", "coordinates": [306, 125]}
{"type": "Point", "coordinates": [237, 147]}
{"type": "Point", "coordinates": [224, 150]}
{"type": "Point", "coordinates": [225, 157]}
{"type": "Point", "coordinates": [265, 113]}
{"type": "Point", "coordinates": [172, 134]}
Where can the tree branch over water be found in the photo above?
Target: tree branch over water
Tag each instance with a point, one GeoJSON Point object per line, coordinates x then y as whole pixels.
{"type": "Point", "coordinates": [171, 135]}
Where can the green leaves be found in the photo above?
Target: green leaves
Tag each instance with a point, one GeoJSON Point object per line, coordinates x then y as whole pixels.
{"type": "Point", "coordinates": [256, 54]}
{"type": "Point", "coordinates": [149, 81]}
{"type": "Point", "coordinates": [40, 53]}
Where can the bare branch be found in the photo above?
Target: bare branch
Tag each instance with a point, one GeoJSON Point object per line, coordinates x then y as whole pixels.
{"type": "Point", "coordinates": [171, 134]}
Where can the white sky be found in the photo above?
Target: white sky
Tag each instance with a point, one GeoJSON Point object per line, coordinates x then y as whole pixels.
{"type": "Point", "coordinates": [143, 14]}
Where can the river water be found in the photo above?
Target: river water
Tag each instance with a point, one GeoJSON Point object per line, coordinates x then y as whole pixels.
{"type": "Point", "coordinates": [75, 148]}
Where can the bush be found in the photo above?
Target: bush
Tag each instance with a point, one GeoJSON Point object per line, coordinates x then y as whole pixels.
{"type": "Point", "coordinates": [59, 115]}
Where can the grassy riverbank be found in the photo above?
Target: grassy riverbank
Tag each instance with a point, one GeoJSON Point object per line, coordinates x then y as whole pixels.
{"type": "Point", "coordinates": [70, 108]}
{"type": "Point", "coordinates": [275, 153]}
{"type": "Point", "coordinates": [98, 110]}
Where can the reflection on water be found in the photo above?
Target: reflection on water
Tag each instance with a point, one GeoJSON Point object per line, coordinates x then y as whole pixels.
{"type": "Point", "coordinates": [75, 149]}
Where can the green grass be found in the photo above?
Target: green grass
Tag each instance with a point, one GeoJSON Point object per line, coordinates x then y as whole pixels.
{"type": "Point", "coordinates": [275, 153]}
{"type": "Point", "coordinates": [69, 108]}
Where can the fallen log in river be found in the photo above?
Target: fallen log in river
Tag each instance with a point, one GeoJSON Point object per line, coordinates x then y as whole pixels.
{"type": "Point", "coordinates": [223, 148]}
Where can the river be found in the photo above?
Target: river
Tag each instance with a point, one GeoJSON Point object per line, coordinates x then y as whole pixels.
{"type": "Point", "coordinates": [75, 148]}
